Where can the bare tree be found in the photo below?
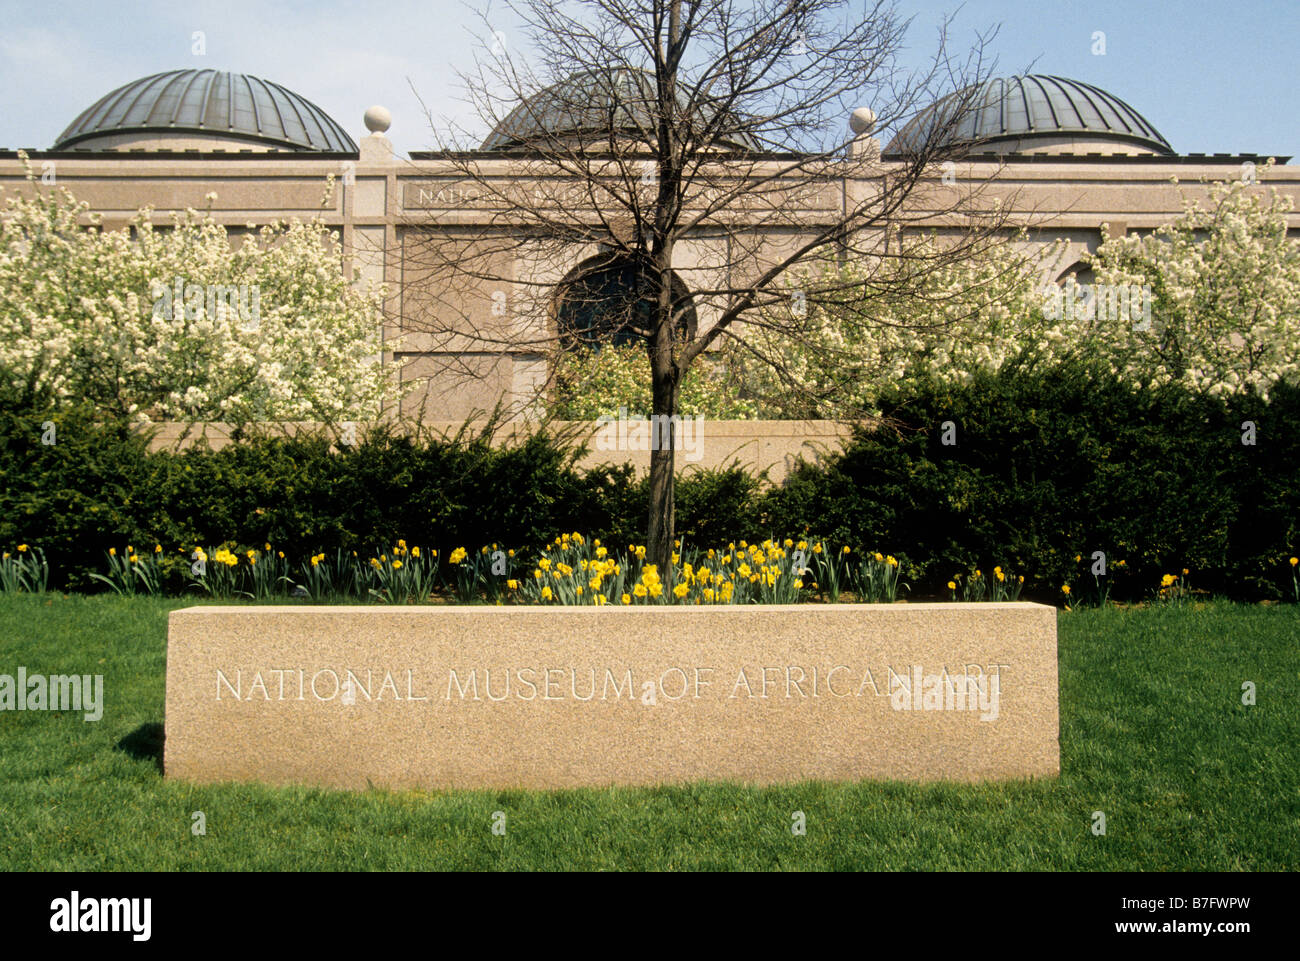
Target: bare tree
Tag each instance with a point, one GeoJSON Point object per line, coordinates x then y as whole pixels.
{"type": "Point", "coordinates": [692, 157]}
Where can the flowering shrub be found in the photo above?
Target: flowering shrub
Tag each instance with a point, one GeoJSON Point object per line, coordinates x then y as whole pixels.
{"type": "Point", "coordinates": [128, 320]}
{"type": "Point", "coordinates": [595, 383]}
{"type": "Point", "coordinates": [1225, 280]}
{"type": "Point", "coordinates": [1215, 308]}
{"type": "Point", "coordinates": [850, 346]}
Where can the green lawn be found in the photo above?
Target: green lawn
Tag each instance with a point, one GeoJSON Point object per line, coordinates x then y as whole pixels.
{"type": "Point", "coordinates": [1153, 733]}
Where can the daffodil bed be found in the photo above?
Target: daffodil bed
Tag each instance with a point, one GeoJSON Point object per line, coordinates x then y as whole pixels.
{"type": "Point", "coordinates": [573, 569]}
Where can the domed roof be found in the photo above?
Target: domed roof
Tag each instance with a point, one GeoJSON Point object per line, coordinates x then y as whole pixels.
{"type": "Point", "coordinates": [591, 104]}
{"type": "Point", "coordinates": [1035, 113]}
{"type": "Point", "coordinates": [208, 103]}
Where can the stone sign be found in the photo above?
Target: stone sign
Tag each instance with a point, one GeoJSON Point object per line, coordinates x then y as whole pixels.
{"type": "Point", "coordinates": [537, 697]}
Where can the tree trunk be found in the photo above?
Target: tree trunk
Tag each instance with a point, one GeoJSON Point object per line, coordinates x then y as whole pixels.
{"type": "Point", "coordinates": [661, 524]}
{"type": "Point", "coordinates": [664, 372]}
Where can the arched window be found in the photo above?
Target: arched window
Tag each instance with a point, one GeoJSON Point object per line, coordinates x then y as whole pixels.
{"type": "Point", "coordinates": [612, 301]}
{"type": "Point", "coordinates": [1082, 274]}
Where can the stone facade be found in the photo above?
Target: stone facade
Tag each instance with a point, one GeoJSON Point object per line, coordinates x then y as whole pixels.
{"type": "Point", "coordinates": [385, 206]}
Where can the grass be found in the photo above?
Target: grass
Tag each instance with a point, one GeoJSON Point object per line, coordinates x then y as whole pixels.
{"type": "Point", "coordinates": [1153, 733]}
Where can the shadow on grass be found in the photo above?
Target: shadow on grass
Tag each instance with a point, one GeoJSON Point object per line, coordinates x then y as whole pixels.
{"type": "Point", "coordinates": [145, 743]}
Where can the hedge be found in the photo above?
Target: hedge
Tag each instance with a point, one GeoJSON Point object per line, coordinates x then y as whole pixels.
{"type": "Point", "coordinates": [1053, 465]}
{"type": "Point", "coordinates": [1047, 466]}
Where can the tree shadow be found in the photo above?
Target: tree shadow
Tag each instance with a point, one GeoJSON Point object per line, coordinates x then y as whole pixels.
{"type": "Point", "coordinates": [145, 743]}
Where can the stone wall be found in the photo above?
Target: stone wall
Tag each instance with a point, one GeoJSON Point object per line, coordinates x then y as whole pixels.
{"type": "Point", "coordinates": [757, 445]}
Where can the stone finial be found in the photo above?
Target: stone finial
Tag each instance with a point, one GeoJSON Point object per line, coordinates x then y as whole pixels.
{"type": "Point", "coordinates": [862, 121]}
{"type": "Point", "coordinates": [378, 119]}
{"type": "Point", "coordinates": [377, 148]}
{"type": "Point", "coordinates": [863, 146]}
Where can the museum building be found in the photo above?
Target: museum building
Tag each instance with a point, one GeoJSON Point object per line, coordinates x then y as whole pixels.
{"type": "Point", "coordinates": [1073, 156]}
